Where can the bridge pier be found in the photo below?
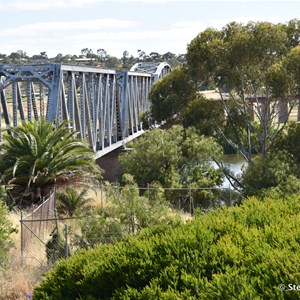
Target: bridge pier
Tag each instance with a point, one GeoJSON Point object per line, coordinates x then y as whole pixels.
{"type": "Point", "coordinates": [110, 165]}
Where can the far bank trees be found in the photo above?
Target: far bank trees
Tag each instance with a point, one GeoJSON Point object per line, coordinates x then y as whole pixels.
{"type": "Point", "coordinates": [254, 68]}
{"type": "Point", "coordinates": [252, 65]}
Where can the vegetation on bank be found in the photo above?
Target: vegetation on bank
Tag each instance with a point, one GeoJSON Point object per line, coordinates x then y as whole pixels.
{"type": "Point", "coordinates": [241, 252]}
{"type": "Point", "coordinates": [145, 252]}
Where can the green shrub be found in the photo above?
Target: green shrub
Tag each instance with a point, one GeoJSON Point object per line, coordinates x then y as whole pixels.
{"type": "Point", "coordinates": [127, 212]}
{"type": "Point", "coordinates": [240, 252]}
{"type": "Point", "coordinates": [5, 230]}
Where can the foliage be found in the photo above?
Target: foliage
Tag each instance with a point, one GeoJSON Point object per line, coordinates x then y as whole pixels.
{"type": "Point", "coordinates": [289, 141]}
{"type": "Point", "coordinates": [126, 212]}
{"type": "Point", "coordinates": [174, 158]}
{"type": "Point", "coordinates": [266, 172]}
{"type": "Point", "coordinates": [70, 201]}
{"type": "Point", "coordinates": [36, 156]}
{"type": "Point", "coordinates": [5, 230]}
{"type": "Point", "coordinates": [99, 58]}
{"type": "Point", "coordinates": [251, 65]}
{"type": "Point", "coordinates": [6, 199]}
{"type": "Point", "coordinates": [169, 95]}
{"type": "Point", "coordinates": [241, 252]}
{"type": "Point", "coordinates": [205, 115]}
{"type": "Point", "coordinates": [286, 188]}
{"type": "Point", "coordinates": [55, 248]}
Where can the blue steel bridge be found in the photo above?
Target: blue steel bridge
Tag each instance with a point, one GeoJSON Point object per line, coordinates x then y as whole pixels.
{"type": "Point", "coordinates": [102, 105]}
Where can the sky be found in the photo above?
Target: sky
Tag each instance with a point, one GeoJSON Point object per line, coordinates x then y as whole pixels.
{"type": "Point", "coordinates": [68, 26]}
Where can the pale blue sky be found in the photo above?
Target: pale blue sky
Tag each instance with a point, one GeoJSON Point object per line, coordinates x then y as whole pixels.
{"type": "Point", "coordinates": [67, 26]}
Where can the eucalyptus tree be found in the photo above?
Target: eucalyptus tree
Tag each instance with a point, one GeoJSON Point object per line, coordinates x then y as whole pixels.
{"type": "Point", "coordinates": [248, 64]}
{"type": "Point", "coordinates": [170, 95]}
{"type": "Point", "coordinates": [36, 157]}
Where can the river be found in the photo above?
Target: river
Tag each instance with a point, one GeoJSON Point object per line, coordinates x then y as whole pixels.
{"type": "Point", "coordinates": [235, 163]}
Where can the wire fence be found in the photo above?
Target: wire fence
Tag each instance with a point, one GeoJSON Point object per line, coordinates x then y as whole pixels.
{"type": "Point", "coordinates": [47, 236]}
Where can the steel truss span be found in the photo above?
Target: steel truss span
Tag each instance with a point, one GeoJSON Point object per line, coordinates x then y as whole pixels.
{"type": "Point", "coordinates": [102, 105]}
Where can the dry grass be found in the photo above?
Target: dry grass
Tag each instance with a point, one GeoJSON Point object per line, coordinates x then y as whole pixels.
{"type": "Point", "coordinates": [15, 286]}
{"type": "Point", "coordinates": [97, 196]}
{"type": "Point", "coordinates": [17, 281]}
{"type": "Point", "coordinates": [26, 271]}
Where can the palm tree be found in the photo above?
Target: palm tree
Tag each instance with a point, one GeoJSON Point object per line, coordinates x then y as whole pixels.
{"type": "Point", "coordinates": [36, 157]}
{"type": "Point", "coordinates": [69, 202]}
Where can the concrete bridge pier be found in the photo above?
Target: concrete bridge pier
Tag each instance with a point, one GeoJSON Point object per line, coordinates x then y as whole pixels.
{"type": "Point", "coordinates": [110, 165]}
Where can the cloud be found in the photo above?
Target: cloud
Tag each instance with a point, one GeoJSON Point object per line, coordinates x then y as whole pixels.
{"type": "Point", "coordinates": [113, 35]}
{"type": "Point", "coordinates": [45, 4]}
{"type": "Point", "coordinates": [51, 4]}
{"type": "Point", "coordinates": [48, 4]}
{"type": "Point", "coordinates": [65, 27]}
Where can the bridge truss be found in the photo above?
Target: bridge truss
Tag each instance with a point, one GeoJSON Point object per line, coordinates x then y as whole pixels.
{"type": "Point", "coordinates": [102, 105]}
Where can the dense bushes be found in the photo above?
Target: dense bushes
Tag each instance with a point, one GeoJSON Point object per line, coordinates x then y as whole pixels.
{"type": "Point", "coordinates": [231, 253]}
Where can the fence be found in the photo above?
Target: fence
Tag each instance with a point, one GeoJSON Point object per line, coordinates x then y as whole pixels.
{"type": "Point", "coordinates": [47, 237]}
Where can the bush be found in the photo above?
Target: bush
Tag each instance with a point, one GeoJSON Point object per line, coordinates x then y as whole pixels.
{"type": "Point", "coordinates": [5, 230]}
{"type": "Point", "coordinates": [126, 212]}
{"type": "Point", "coordinates": [241, 252]}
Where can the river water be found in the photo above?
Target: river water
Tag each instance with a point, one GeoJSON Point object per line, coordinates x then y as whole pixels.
{"type": "Point", "coordinates": [235, 162]}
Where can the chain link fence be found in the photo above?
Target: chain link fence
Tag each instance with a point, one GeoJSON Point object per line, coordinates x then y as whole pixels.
{"type": "Point", "coordinates": [46, 237]}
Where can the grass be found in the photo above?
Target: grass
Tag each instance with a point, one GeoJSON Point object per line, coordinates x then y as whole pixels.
{"type": "Point", "coordinates": [25, 271]}
{"type": "Point", "coordinates": [16, 281]}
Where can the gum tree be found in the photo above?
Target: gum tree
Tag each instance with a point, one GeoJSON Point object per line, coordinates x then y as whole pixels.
{"type": "Point", "coordinates": [248, 64]}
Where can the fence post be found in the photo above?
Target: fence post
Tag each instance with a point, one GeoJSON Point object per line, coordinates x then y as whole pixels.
{"type": "Point", "coordinates": [148, 191]}
{"type": "Point", "coordinates": [22, 239]}
{"type": "Point", "coordinates": [190, 197]}
{"type": "Point", "coordinates": [101, 191]}
{"type": "Point", "coordinates": [66, 240]}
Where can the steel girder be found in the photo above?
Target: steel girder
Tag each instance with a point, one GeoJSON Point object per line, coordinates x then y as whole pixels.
{"type": "Point", "coordinates": [102, 105]}
{"type": "Point", "coordinates": [158, 70]}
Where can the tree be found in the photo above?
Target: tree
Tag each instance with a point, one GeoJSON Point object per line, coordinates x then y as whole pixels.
{"type": "Point", "coordinates": [174, 158]}
{"type": "Point", "coordinates": [125, 60]}
{"type": "Point", "coordinates": [70, 201]}
{"type": "Point", "coordinates": [247, 62]}
{"type": "Point", "coordinates": [113, 62]}
{"type": "Point", "coordinates": [293, 32]}
{"type": "Point", "coordinates": [36, 157]}
{"type": "Point", "coordinates": [266, 173]}
{"type": "Point", "coordinates": [205, 115]}
{"type": "Point", "coordinates": [289, 142]}
{"type": "Point", "coordinates": [102, 55]}
{"type": "Point", "coordinates": [126, 212]}
{"type": "Point", "coordinates": [86, 51]}
{"type": "Point", "coordinates": [170, 95]}
{"type": "Point", "coordinates": [155, 56]}
{"type": "Point", "coordinates": [55, 248]}
{"type": "Point", "coordinates": [142, 55]}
